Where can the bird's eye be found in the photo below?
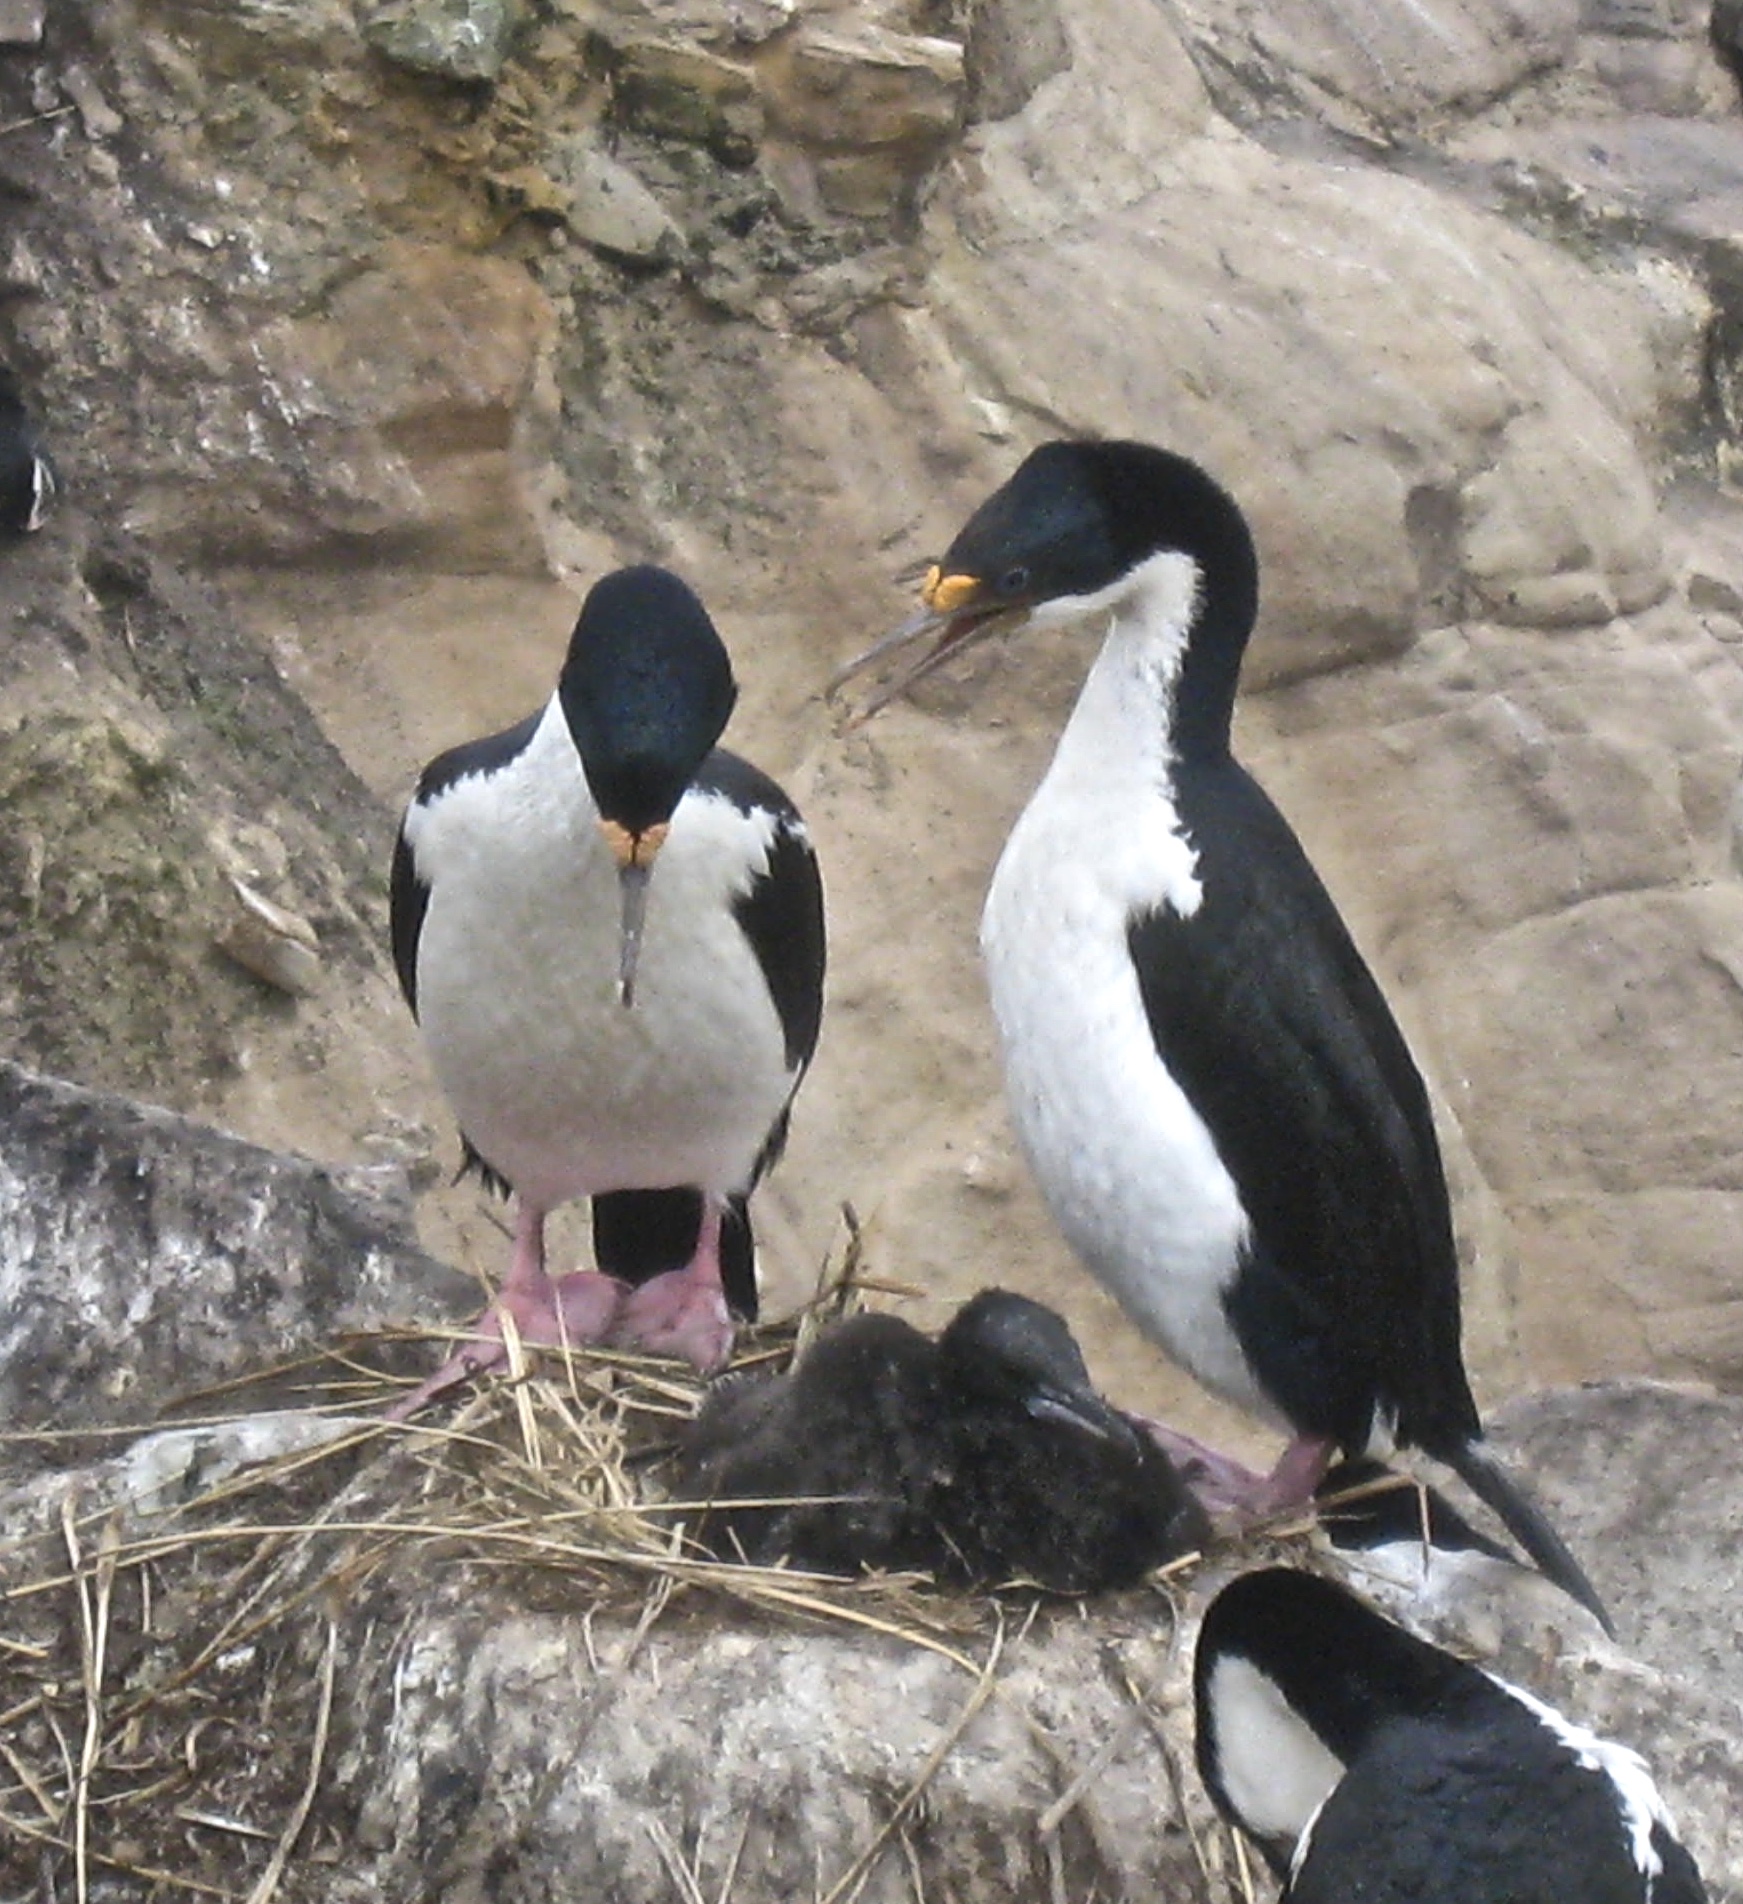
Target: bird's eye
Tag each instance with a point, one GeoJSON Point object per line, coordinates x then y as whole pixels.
{"type": "Point", "coordinates": [1013, 581]}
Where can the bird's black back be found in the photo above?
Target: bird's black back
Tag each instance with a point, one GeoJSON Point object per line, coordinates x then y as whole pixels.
{"type": "Point", "coordinates": [1433, 1815]}
{"type": "Point", "coordinates": [1266, 1013]}
{"type": "Point", "coordinates": [855, 1421]}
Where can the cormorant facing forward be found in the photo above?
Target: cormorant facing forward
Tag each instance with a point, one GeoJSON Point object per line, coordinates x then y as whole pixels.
{"type": "Point", "coordinates": [610, 931]}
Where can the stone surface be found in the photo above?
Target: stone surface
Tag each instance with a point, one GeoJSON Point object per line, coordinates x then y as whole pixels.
{"type": "Point", "coordinates": [448, 39]}
{"type": "Point", "coordinates": [606, 205]}
{"type": "Point", "coordinates": [142, 1257]}
{"type": "Point", "coordinates": [846, 83]}
{"type": "Point", "coordinates": [410, 393]}
{"type": "Point", "coordinates": [1448, 297]}
{"type": "Point", "coordinates": [686, 93]}
{"type": "Point", "coordinates": [21, 22]}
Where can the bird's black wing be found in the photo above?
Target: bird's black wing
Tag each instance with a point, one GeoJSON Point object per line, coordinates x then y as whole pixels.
{"type": "Point", "coordinates": [408, 891]}
{"type": "Point", "coordinates": [1264, 1011]}
{"type": "Point", "coordinates": [782, 912]}
{"type": "Point", "coordinates": [1428, 1815]}
{"type": "Point", "coordinates": [847, 1438]}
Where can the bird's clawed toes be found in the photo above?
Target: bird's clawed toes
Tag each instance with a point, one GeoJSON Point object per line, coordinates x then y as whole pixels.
{"type": "Point", "coordinates": [678, 1314]}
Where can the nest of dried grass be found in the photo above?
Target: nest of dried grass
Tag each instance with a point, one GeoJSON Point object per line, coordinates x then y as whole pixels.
{"type": "Point", "coordinates": [167, 1677]}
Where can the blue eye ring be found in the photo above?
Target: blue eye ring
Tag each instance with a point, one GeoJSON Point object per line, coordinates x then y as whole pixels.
{"type": "Point", "coordinates": [1014, 581]}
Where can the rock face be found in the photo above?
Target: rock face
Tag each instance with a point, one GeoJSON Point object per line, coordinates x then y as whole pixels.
{"type": "Point", "coordinates": [522, 1731]}
{"type": "Point", "coordinates": [345, 354]}
{"type": "Point", "coordinates": [141, 1256]}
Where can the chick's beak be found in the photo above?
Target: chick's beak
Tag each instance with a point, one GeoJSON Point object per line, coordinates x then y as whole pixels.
{"type": "Point", "coordinates": [634, 853]}
{"type": "Point", "coordinates": [1086, 1412]}
{"type": "Point", "coordinates": [950, 617]}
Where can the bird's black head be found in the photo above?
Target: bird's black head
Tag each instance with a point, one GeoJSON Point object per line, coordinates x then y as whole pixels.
{"type": "Point", "coordinates": [646, 689]}
{"type": "Point", "coordinates": [1078, 517]}
{"type": "Point", "coordinates": [1071, 529]}
{"type": "Point", "coordinates": [1002, 1350]}
{"type": "Point", "coordinates": [1292, 1670]}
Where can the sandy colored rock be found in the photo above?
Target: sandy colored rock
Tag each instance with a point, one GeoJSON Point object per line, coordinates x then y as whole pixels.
{"type": "Point", "coordinates": [411, 393]}
{"type": "Point", "coordinates": [848, 83]}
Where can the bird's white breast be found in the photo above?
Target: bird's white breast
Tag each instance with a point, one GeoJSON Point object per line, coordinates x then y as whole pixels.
{"type": "Point", "coordinates": [1127, 1167]}
{"type": "Point", "coordinates": [1275, 1769]}
{"type": "Point", "coordinates": [562, 1088]}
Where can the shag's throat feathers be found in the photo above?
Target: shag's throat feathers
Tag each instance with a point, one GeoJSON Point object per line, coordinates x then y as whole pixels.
{"type": "Point", "coordinates": [1367, 1763]}
{"type": "Point", "coordinates": [611, 933]}
{"type": "Point", "coordinates": [27, 479]}
{"type": "Point", "coordinates": [1216, 1102]}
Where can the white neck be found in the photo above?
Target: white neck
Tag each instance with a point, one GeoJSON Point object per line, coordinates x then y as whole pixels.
{"type": "Point", "coordinates": [1123, 715]}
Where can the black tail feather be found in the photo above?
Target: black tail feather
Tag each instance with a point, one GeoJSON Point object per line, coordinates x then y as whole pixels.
{"type": "Point", "coordinates": [1477, 1465]}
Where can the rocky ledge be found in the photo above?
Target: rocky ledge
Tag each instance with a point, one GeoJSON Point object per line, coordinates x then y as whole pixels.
{"type": "Point", "coordinates": [365, 1661]}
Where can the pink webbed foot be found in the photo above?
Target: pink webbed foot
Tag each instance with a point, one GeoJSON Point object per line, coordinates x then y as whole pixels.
{"type": "Point", "coordinates": [679, 1314]}
{"type": "Point", "coordinates": [1237, 1497]}
{"type": "Point", "coordinates": [683, 1313]}
{"type": "Point", "coordinates": [576, 1309]}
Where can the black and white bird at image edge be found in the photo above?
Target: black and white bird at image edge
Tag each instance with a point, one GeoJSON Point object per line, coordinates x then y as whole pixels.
{"type": "Point", "coordinates": [27, 476]}
{"type": "Point", "coordinates": [1206, 1080]}
{"type": "Point", "coordinates": [610, 931]}
{"type": "Point", "coordinates": [1368, 1764]}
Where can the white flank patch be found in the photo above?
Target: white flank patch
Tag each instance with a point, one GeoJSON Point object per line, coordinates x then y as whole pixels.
{"type": "Point", "coordinates": [562, 1088]}
{"type": "Point", "coordinates": [42, 489]}
{"type": "Point", "coordinates": [1304, 1843]}
{"type": "Point", "coordinates": [1126, 1165]}
{"type": "Point", "coordinates": [1275, 1769]}
{"type": "Point", "coordinates": [1637, 1797]}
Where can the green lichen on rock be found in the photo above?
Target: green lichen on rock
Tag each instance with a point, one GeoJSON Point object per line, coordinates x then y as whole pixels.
{"type": "Point", "coordinates": [109, 897]}
{"type": "Point", "coordinates": [465, 40]}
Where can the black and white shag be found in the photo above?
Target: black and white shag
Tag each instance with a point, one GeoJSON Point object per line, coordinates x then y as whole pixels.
{"type": "Point", "coordinates": [1366, 1763]}
{"type": "Point", "coordinates": [27, 478]}
{"type": "Point", "coordinates": [611, 933]}
{"type": "Point", "coordinates": [1215, 1100]}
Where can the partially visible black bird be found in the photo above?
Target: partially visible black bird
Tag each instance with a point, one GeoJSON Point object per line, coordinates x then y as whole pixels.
{"type": "Point", "coordinates": [611, 933]}
{"type": "Point", "coordinates": [1211, 1091]}
{"type": "Point", "coordinates": [980, 1457]}
{"type": "Point", "coordinates": [27, 479]}
{"type": "Point", "coordinates": [1367, 1764]}
{"type": "Point", "coordinates": [1365, 1507]}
